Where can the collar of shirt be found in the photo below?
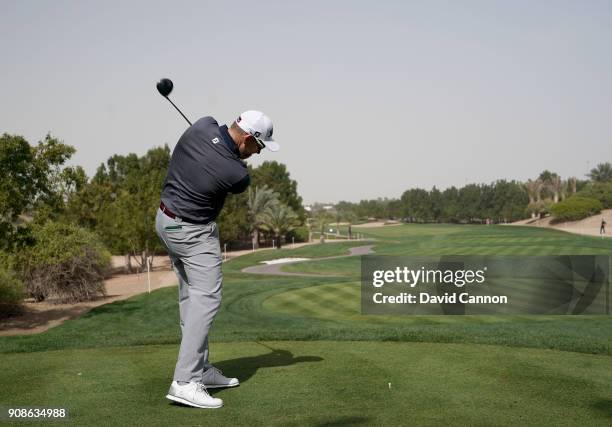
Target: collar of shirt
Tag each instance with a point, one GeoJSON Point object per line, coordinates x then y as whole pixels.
{"type": "Point", "coordinates": [229, 141]}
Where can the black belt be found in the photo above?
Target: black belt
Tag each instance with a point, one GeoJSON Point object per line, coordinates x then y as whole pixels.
{"type": "Point", "coordinates": [170, 214]}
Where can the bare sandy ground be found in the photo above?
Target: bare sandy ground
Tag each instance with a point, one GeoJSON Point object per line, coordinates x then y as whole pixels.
{"type": "Point", "coordinates": [588, 226]}
{"type": "Point", "coordinates": [41, 316]}
{"type": "Point", "coordinates": [38, 317]}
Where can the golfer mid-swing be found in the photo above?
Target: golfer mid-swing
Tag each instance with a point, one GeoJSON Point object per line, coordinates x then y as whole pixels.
{"type": "Point", "coordinates": [207, 163]}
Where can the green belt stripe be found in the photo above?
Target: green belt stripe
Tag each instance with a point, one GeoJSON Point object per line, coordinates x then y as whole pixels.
{"type": "Point", "coordinates": [173, 227]}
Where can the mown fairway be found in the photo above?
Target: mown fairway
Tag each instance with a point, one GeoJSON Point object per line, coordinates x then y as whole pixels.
{"type": "Point", "coordinates": [318, 361]}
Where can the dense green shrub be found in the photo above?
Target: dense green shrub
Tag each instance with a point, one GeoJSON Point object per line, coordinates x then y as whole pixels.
{"type": "Point", "coordinates": [601, 191]}
{"type": "Point", "coordinates": [66, 264]}
{"type": "Point", "coordinates": [575, 208]}
{"type": "Point", "coordinates": [300, 234]}
{"type": "Point", "coordinates": [11, 288]}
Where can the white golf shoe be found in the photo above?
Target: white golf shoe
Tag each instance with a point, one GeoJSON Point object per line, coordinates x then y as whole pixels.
{"type": "Point", "coordinates": [193, 394]}
{"type": "Point", "coordinates": [214, 378]}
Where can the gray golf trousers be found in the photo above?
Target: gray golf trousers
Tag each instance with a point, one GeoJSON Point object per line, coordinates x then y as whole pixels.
{"type": "Point", "coordinates": [196, 258]}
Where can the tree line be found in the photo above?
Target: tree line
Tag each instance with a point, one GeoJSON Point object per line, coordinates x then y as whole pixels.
{"type": "Point", "coordinates": [120, 199]}
{"type": "Point", "coordinates": [57, 223]}
{"type": "Point", "coordinates": [498, 202]}
{"type": "Point", "coordinates": [54, 218]}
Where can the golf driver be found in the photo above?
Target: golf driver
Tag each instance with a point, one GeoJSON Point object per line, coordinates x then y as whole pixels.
{"type": "Point", "coordinates": [164, 87]}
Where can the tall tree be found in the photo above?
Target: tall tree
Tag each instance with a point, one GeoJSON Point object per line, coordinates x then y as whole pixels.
{"type": "Point", "coordinates": [601, 173]}
{"type": "Point", "coordinates": [279, 220]}
{"type": "Point", "coordinates": [534, 192]}
{"type": "Point", "coordinates": [435, 203]}
{"type": "Point", "coordinates": [556, 186]}
{"type": "Point", "coordinates": [261, 201]}
{"type": "Point", "coordinates": [548, 180]}
{"type": "Point", "coordinates": [533, 189]}
{"type": "Point", "coordinates": [320, 219]}
{"type": "Point", "coordinates": [394, 209]}
{"type": "Point", "coordinates": [125, 192]}
{"type": "Point", "coordinates": [509, 201]}
{"type": "Point", "coordinates": [350, 219]}
{"type": "Point", "coordinates": [416, 205]}
{"type": "Point", "coordinates": [450, 205]}
{"type": "Point", "coordinates": [276, 177]}
{"type": "Point", "coordinates": [469, 203]}
{"type": "Point", "coordinates": [34, 183]}
{"type": "Point", "coordinates": [572, 184]}
{"type": "Point", "coordinates": [18, 186]}
{"type": "Point", "coordinates": [233, 221]}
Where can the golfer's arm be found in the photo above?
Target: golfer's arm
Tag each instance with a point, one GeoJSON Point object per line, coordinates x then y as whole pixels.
{"type": "Point", "coordinates": [241, 185]}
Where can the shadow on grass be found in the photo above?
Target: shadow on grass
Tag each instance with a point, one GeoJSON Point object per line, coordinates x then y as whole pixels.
{"type": "Point", "coordinates": [30, 319]}
{"type": "Point", "coordinates": [345, 421]}
{"type": "Point", "coordinates": [124, 306]}
{"type": "Point", "coordinates": [245, 367]}
{"type": "Point", "coordinates": [605, 406]}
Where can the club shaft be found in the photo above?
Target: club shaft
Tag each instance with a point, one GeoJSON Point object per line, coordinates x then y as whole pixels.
{"type": "Point", "coordinates": [177, 109]}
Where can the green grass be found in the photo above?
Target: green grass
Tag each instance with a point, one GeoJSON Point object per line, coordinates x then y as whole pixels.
{"type": "Point", "coordinates": [333, 365]}
{"type": "Point", "coordinates": [323, 383]}
{"type": "Point", "coordinates": [265, 308]}
{"type": "Point", "coordinates": [341, 302]}
{"type": "Point", "coordinates": [443, 239]}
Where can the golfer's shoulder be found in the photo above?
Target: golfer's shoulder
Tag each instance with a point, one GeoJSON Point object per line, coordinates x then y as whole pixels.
{"type": "Point", "coordinates": [205, 128]}
{"type": "Point", "coordinates": [207, 122]}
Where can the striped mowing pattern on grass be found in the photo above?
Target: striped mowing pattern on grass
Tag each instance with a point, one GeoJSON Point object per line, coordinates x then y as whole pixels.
{"type": "Point", "coordinates": [323, 308]}
{"type": "Point", "coordinates": [433, 240]}
{"type": "Point", "coordinates": [327, 301]}
{"type": "Point", "coordinates": [341, 301]}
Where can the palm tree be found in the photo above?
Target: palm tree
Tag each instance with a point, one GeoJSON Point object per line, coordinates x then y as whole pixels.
{"type": "Point", "coordinates": [556, 185]}
{"type": "Point", "coordinates": [350, 219]}
{"type": "Point", "coordinates": [565, 189]}
{"type": "Point", "coordinates": [279, 219]}
{"type": "Point", "coordinates": [310, 225]}
{"type": "Point", "coordinates": [571, 183]}
{"type": "Point", "coordinates": [534, 192]}
{"type": "Point", "coordinates": [321, 219]}
{"type": "Point", "coordinates": [534, 189]}
{"type": "Point", "coordinates": [551, 183]}
{"type": "Point", "coordinates": [338, 216]}
{"type": "Point", "coordinates": [260, 201]}
{"type": "Point", "coordinates": [602, 173]}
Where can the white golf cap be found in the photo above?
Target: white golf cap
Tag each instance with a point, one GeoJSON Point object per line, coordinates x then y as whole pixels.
{"type": "Point", "coordinates": [260, 126]}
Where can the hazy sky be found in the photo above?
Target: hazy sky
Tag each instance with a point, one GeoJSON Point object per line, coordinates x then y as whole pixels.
{"type": "Point", "coordinates": [368, 99]}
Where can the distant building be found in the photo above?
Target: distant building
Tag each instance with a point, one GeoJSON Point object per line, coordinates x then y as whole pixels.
{"type": "Point", "coordinates": [317, 206]}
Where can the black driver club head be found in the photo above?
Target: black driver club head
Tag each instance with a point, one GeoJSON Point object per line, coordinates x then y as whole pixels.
{"type": "Point", "coordinates": [164, 87]}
